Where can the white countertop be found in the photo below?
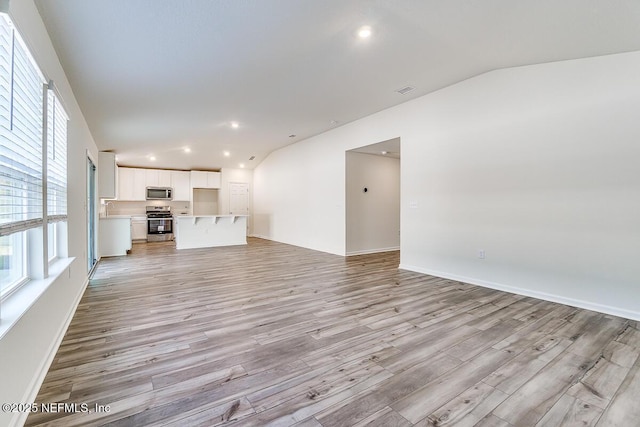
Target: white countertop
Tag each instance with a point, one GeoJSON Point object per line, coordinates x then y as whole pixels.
{"type": "Point", "coordinates": [116, 217]}
{"type": "Point", "coordinates": [209, 216]}
{"type": "Point", "coordinates": [132, 217]}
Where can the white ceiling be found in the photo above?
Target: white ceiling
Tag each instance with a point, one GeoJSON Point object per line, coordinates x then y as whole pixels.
{"type": "Point", "coordinates": [389, 148]}
{"type": "Point", "coordinates": [154, 76]}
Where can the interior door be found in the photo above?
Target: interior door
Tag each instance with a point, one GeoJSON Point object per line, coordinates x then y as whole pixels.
{"type": "Point", "coordinates": [239, 199]}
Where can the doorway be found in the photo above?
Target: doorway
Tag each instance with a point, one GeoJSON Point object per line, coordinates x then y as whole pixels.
{"type": "Point", "coordinates": [372, 191]}
{"type": "Point", "coordinates": [91, 216]}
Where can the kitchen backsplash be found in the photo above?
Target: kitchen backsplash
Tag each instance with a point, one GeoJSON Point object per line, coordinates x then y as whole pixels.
{"type": "Point", "coordinates": [138, 208]}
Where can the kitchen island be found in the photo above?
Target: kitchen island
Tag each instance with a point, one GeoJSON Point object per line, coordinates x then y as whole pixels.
{"type": "Point", "coordinates": [114, 235]}
{"type": "Point", "coordinates": [210, 230]}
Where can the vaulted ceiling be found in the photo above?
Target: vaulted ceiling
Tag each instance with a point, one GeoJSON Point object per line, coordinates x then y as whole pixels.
{"type": "Point", "coordinates": [154, 77]}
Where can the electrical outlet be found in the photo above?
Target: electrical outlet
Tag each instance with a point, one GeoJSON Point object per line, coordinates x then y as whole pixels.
{"type": "Point", "coordinates": [481, 254]}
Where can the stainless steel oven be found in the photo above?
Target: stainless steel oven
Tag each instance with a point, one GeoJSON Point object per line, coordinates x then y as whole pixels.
{"type": "Point", "coordinates": [159, 223]}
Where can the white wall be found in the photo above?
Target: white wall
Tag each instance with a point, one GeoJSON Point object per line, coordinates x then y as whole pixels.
{"type": "Point", "coordinates": [373, 217]}
{"type": "Point", "coordinates": [205, 201]}
{"type": "Point", "coordinates": [28, 348]}
{"type": "Point", "coordinates": [536, 165]}
{"type": "Point", "coordinates": [299, 196]}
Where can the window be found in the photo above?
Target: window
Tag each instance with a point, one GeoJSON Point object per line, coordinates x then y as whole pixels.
{"type": "Point", "coordinates": [12, 261]}
{"type": "Point", "coordinates": [56, 159]}
{"type": "Point", "coordinates": [56, 171]}
{"type": "Point", "coordinates": [27, 205]}
{"type": "Point", "coordinates": [52, 241]}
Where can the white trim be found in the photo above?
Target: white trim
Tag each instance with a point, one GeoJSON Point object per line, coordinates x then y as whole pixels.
{"type": "Point", "coordinates": [373, 251]}
{"type": "Point", "coordinates": [19, 302]}
{"type": "Point", "coordinates": [36, 382]}
{"type": "Point", "coordinates": [93, 160]}
{"type": "Point", "coordinates": [601, 308]}
{"type": "Point", "coordinates": [260, 236]}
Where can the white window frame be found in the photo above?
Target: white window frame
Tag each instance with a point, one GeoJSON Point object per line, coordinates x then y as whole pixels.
{"type": "Point", "coordinates": [39, 268]}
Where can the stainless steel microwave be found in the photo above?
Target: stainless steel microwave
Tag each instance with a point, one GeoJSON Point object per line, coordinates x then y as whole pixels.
{"type": "Point", "coordinates": [159, 193]}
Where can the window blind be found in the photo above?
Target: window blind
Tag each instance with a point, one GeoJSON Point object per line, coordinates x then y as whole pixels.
{"type": "Point", "coordinates": [20, 135]}
{"type": "Point", "coordinates": [6, 52]}
{"type": "Point", "coordinates": [56, 159]}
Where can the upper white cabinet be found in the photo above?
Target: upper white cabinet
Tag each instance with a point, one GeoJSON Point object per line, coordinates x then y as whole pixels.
{"type": "Point", "coordinates": [203, 179]}
{"type": "Point", "coordinates": [125, 183]}
{"type": "Point", "coordinates": [107, 175]}
{"type": "Point", "coordinates": [132, 184]}
{"type": "Point", "coordinates": [181, 184]}
{"type": "Point", "coordinates": [158, 178]}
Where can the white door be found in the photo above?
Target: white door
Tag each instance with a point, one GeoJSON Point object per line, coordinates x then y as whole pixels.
{"type": "Point", "coordinates": [239, 198]}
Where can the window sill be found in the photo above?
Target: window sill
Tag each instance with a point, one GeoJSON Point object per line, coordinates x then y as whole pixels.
{"type": "Point", "coordinates": [19, 302]}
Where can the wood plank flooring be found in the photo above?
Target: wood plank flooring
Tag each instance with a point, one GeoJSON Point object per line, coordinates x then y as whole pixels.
{"type": "Point", "coordinates": [272, 334]}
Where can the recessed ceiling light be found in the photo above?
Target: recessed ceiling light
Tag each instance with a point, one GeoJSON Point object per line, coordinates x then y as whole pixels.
{"type": "Point", "coordinates": [235, 125]}
{"type": "Point", "coordinates": [152, 158]}
{"type": "Point", "coordinates": [226, 154]}
{"type": "Point", "coordinates": [384, 153]}
{"type": "Point", "coordinates": [187, 149]}
{"type": "Point", "coordinates": [241, 165]}
{"type": "Point", "coordinates": [364, 32]}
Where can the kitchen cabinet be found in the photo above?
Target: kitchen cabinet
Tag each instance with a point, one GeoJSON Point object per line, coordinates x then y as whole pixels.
{"type": "Point", "coordinates": [139, 228]}
{"type": "Point", "coordinates": [132, 183]}
{"type": "Point", "coordinates": [204, 179]}
{"type": "Point", "coordinates": [107, 175]}
{"type": "Point", "coordinates": [125, 184]}
{"type": "Point", "coordinates": [181, 184]}
{"type": "Point", "coordinates": [158, 178]}
{"type": "Point", "coordinates": [114, 236]}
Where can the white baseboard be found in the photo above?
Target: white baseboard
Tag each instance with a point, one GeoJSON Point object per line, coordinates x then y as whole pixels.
{"type": "Point", "coordinates": [38, 378]}
{"type": "Point", "coordinates": [373, 251]}
{"type": "Point", "coordinates": [601, 308]}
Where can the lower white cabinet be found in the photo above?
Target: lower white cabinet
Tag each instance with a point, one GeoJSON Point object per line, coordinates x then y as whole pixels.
{"type": "Point", "coordinates": [114, 235]}
{"type": "Point", "coordinates": [139, 229]}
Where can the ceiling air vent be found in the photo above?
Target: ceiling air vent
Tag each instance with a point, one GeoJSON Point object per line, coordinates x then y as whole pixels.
{"type": "Point", "coordinates": [252, 157]}
{"type": "Point", "coordinates": [405, 90]}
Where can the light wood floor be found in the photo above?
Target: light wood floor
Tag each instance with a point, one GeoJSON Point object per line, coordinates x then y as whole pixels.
{"type": "Point", "coordinates": [271, 334]}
